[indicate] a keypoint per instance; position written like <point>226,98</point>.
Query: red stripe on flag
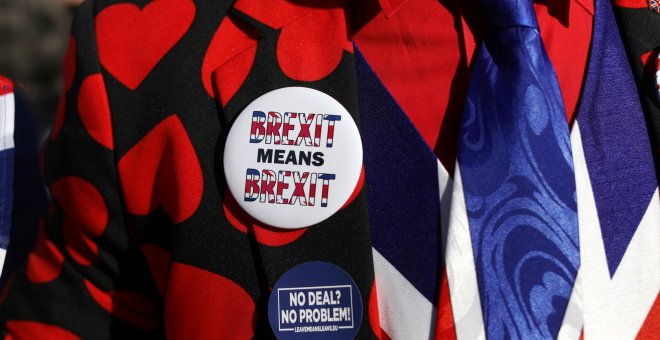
<point>374,316</point>
<point>445,328</point>
<point>651,328</point>
<point>6,86</point>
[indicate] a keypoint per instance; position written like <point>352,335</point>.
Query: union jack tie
<point>515,161</point>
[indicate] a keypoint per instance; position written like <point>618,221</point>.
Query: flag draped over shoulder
<point>6,162</point>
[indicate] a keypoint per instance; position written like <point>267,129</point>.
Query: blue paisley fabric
<point>517,171</point>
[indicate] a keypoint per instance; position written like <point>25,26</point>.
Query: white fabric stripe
<point>571,326</point>
<point>404,312</point>
<point>3,254</point>
<point>573,322</point>
<point>615,308</point>
<point>445,190</point>
<point>6,121</point>
<point>459,261</point>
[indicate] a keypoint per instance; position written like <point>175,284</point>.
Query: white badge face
<point>293,157</point>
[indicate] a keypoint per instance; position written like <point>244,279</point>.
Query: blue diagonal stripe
<point>401,175</point>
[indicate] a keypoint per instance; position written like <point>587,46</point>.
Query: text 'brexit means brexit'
<point>303,132</point>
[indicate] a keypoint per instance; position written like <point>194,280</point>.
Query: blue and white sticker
<point>315,300</point>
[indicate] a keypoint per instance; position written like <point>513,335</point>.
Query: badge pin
<point>293,157</point>
<point>654,5</point>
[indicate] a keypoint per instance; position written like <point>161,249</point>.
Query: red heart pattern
<point>233,48</point>
<point>158,260</point>
<point>205,305</point>
<point>45,261</point>
<point>313,37</point>
<point>244,223</point>
<point>94,110</point>
<point>133,308</point>
<point>131,41</point>
<point>19,329</point>
<point>277,13</point>
<point>307,50</point>
<point>162,169</point>
<point>85,217</point>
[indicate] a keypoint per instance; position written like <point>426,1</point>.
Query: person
<point>144,238</point>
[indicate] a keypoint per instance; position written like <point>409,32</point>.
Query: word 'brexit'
<point>274,187</point>
<point>293,128</point>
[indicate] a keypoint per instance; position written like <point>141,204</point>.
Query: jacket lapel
<point>282,44</point>
<point>303,44</point>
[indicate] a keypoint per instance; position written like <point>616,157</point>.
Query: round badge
<point>315,300</point>
<point>293,157</point>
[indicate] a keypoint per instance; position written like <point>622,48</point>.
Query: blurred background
<point>33,37</point>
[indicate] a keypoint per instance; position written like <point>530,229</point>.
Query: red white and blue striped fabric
<point>617,194</point>
<point>401,178</point>
<point>654,5</point>
<point>6,163</point>
<point>417,207</point>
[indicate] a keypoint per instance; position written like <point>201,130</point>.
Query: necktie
<point>516,166</point>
